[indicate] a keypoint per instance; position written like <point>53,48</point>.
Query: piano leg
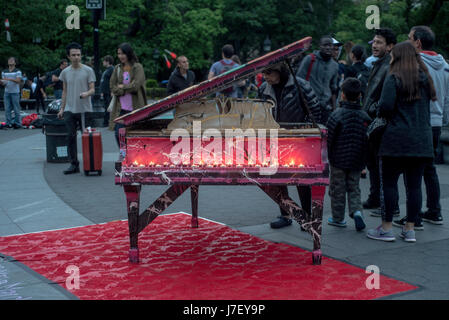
<point>318,193</point>
<point>132,205</point>
<point>305,196</point>
<point>310,222</point>
<point>194,190</point>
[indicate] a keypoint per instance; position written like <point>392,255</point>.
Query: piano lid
<point>217,83</point>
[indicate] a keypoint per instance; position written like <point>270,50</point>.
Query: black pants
<point>391,169</point>
<point>40,103</point>
<point>72,123</point>
<point>305,196</point>
<point>431,177</point>
<point>107,100</point>
<point>373,169</point>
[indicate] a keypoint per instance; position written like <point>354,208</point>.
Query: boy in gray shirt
<point>78,85</point>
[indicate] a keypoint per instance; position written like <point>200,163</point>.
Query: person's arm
<point>446,102</point>
<point>210,76</point>
<point>387,102</point>
<point>18,79</point>
<point>43,93</point>
<point>90,92</point>
<point>334,90</point>
<point>333,128</point>
<point>137,81</point>
<point>212,72</point>
<point>170,86</point>
<point>63,100</point>
<point>114,82</point>
<point>304,67</point>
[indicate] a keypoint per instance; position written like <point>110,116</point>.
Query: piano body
<point>221,141</point>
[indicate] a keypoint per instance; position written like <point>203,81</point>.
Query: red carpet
<point>213,262</point>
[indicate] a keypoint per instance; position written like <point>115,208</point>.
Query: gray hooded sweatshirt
<point>323,77</point>
<point>439,71</point>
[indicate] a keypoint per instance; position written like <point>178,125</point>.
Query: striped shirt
<point>11,86</point>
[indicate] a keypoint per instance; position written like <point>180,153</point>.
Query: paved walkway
<point>36,196</point>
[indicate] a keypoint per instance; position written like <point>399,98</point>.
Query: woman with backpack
<point>406,144</point>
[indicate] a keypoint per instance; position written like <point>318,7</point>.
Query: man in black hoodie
<point>280,87</point>
<point>181,78</point>
<point>383,43</point>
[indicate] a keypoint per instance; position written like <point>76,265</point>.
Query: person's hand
<point>120,86</point>
<point>61,114</point>
<point>84,95</point>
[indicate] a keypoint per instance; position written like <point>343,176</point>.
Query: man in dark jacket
<point>108,63</point>
<point>280,87</point>
<point>347,144</point>
<point>181,78</point>
<point>383,42</point>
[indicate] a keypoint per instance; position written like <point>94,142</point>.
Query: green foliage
<point>399,15</point>
<point>152,83</point>
<point>156,93</point>
<point>199,28</point>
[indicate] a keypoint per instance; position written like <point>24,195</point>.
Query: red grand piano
<point>222,141</point>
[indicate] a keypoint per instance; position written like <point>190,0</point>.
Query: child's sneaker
<point>358,221</point>
<point>332,222</point>
<point>381,234</point>
<point>408,236</point>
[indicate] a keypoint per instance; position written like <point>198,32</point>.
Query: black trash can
<point>56,138</point>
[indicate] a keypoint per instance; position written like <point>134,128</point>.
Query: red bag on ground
<point>26,121</point>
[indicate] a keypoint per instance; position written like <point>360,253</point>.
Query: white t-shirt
<point>77,81</point>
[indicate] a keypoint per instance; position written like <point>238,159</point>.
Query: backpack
<point>225,68</point>
<point>312,61</point>
<point>26,121</point>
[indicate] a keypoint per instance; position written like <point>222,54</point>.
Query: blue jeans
<point>12,102</point>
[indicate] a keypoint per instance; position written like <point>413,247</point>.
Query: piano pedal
<point>316,257</point>
<point>134,255</point>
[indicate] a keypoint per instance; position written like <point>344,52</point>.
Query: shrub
<point>49,91</point>
<point>152,83</point>
<point>153,93</point>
